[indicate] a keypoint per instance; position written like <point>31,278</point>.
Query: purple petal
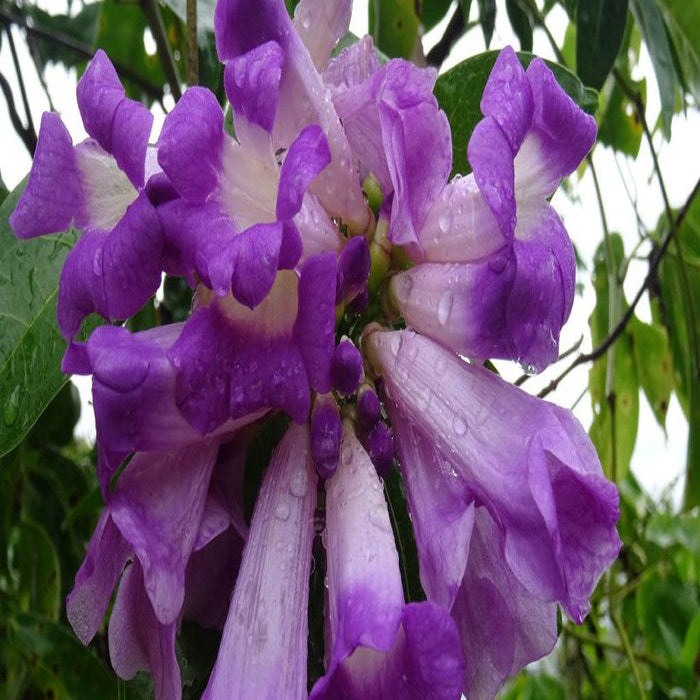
<point>543,292</point>
<point>346,367</point>
<point>502,625</point>
<point>353,269</point>
<point>321,24</point>
<point>242,25</point>
<point>326,433</point>
<point>257,252</point>
<point>460,226</point>
<point>352,66</point>
<point>519,454</point>
<point>318,233</point>
<point>305,159</point>
<point>137,640</point>
<point>158,505</point>
<point>491,158</point>
<point>292,247</point>
<point>560,136</point>
<point>53,196</point>
<point>120,125</point>
<point>191,142</point>
<point>252,83</point>
<point>379,444</point>
<point>441,511</point>
<point>113,273</point>
<point>368,407</point>
<point>106,556</point>
<point>314,328</point>
<point>508,98</point>
<point>263,648</point>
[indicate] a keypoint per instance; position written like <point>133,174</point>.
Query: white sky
<point>657,461</point>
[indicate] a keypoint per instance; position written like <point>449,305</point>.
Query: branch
<point>21,130</point>
<point>453,32</point>
<point>155,92</point>
<point>155,23</point>
<point>22,90</point>
<point>655,260</point>
<point>192,49</point>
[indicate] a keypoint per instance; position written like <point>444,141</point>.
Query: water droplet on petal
<point>282,511</point>
<point>347,455</point>
<point>444,307</point>
<point>380,518</point>
<point>445,220</point>
<point>12,408</point>
<point>299,483</point>
<point>403,287</point>
<point>97,262</point>
<point>459,426</point>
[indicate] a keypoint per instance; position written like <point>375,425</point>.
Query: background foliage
<point>642,637</point>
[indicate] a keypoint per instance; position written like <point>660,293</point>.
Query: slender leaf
<point>459,91</point>
<point>521,22</point>
<point>683,22</point>
<point>651,25</point>
<point>487,19</point>
<point>600,27</point>
<point>432,11</point>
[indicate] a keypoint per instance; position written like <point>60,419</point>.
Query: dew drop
<point>347,455</point>
<point>379,518</point>
<point>403,287</point>
<point>97,262</point>
<point>445,220</point>
<point>459,426</point>
<point>528,368</point>
<point>444,307</point>
<point>282,511</point>
<point>299,483</point>
<point>12,408</point>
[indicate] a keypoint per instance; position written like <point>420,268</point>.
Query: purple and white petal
<point>158,505</point>
<point>242,25</point>
<point>318,233</point>
<point>321,24</point>
<point>53,197</point>
<point>326,434</point>
<point>559,138</point>
<point>523,459</point>
<point>352,66</point>
<point>263,648</point>
<point>120,125</point>
<point>138,641</point>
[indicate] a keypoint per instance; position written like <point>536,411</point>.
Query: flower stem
<point>192,50</point>
<point>155,23</point>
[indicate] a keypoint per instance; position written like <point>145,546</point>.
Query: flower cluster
<point>268,222</point>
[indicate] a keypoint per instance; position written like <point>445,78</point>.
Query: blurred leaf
<point>619,126</point>
<point>459,91</point>
<point>683,22</point>
<point>57,664</point>
<point>487,19</point>
<point>600,26</point>
<point>31,345</point>
<point>652,355</point>
<point>669,530</point>
<point>56,423</point>
<point>623,433</point>
<point>691,643</point>
<point>651,25</point>
<point>568,48</point>
<point>535,687</point>
<point>35,570</point>
<point>432,11</point>
<point>521,22</point>
<point>394,26</point>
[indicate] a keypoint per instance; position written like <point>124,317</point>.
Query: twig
<point>192,48</point>
<point>540,22</point>
<point>16,120</point>
<point>155,92</point>
<point>656,258</point>
<point>36,58</point>
<point>629,652</point>
<point>155,23</point>
<point>454,30</point>
<point>22,89</point>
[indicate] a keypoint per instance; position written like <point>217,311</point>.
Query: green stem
<point>155,23</point>
<point>531,6</point>
<point>629,652</point>
<point>192,50</point>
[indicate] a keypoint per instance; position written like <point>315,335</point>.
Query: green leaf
<point>521,21</point>
<point>600,27</point>
<point>651,25</point>
<point>619,126</point>
<point>31,346</point>
<point>683,22</point>
<point>652,355</point>
<point>622,432</point>
<point>394,26</point>
<point>432,11</point>
<point>487,19</point>
<point>57,664</point>
<point>35,570</point>
<point>459,91</point>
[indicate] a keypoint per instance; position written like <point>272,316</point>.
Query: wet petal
<point>321,24</point>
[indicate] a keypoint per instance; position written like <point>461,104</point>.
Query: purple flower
<point>98,188</point>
